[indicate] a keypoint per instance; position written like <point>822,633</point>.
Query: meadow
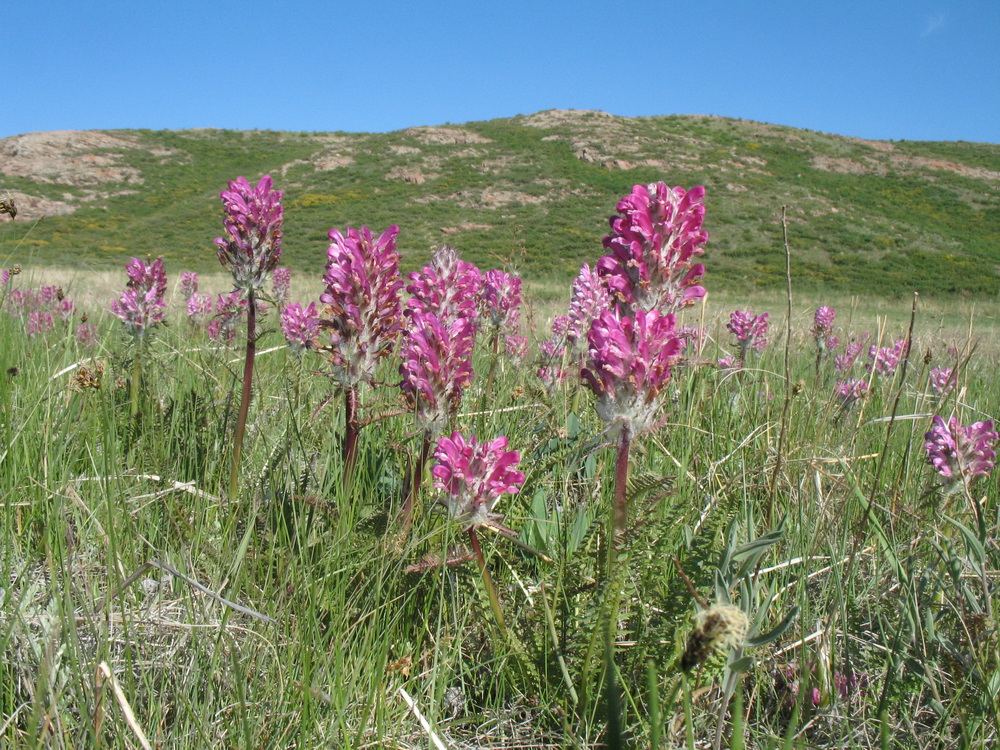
<point>777,565</point>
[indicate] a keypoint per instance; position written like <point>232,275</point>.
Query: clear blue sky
<point>902,69</point>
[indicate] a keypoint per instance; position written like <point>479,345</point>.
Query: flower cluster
<point>436,367</point>
<point>651,247</point>
<point>281,285</point>
<point>629,366</point>
<point>750,331</point>
<point>38,309</point>
<point>850,390</point>
<point>199,307</point>
<point>141,305</point>
<point>189,284</point>
<point>886,359</point>
<point>823,322</point>
<point>252,246</point>
<point>229,311</point>
<point>474,476</point>
<point>942,380</point>
<point>590,297</point>
<point>362,305</point>
<point>960,453</point>
<point>300,326</point>
<point>845,362</point>
<point>448,287</point>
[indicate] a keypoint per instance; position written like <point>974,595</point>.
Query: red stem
<point>241,420</point>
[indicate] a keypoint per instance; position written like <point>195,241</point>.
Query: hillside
<point>533,191</point>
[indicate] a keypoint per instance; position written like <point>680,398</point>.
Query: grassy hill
<point>530,191</point>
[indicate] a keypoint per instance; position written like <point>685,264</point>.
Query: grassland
<point>125,558</point>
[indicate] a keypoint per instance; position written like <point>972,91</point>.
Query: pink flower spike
<point>189,284</point>
<point>501,298</point>
<point>961,453</point>
<point>750,331</point>
<point>252,245</point>
<point>281,285</point>
<point>823,322</point>
<point>436,368</point>
<point>591,297</point>
<point>629,366</point>
<point>448,287</point>
<point>652,245</point>
<point>850,390</point>
<point>141,307</point>
<point>942,381</point>
<point>300,326</point>
<point>474,476</point>
<point>363,310</point>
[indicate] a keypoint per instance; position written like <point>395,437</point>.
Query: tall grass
<point>300,617</point>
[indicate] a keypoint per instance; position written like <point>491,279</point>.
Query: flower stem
<point>351,430</point>
<point>136,377</point>
<point>487,580</point>
<point>415,480</point>
<point>619,520</point>
<point>241,420</point>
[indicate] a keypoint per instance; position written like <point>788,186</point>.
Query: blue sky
<point>905,69</point>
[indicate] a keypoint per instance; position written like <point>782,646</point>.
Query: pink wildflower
<point>942,381</point>
<point>448,287</point>
<point>86,334</point>
<point>629,366</point>
<point>40,322</point>
<point>141,307</point>
<point>845,362</point>
<point>437,367</point>
<point>474,476</point>
<point>252,247</point>
<point>750,331</point>
<point>850,390</point>
<point>281,285</point>
<point>590,298</point>
<point>652,245</point>
<point>961,453</point>
<point>189,284</point>
<point>300,326</point>
<point>823,322</point>
<point>229,310</point>
<point>363,309</point>
<point>501,297</point>
<point>199,307</point>
<point>886,359</point>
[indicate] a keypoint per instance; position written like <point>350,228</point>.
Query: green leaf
<point>776,632</point>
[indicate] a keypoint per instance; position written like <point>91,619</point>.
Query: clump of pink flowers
<point>823,322</point>
<point>844,363</point>
<point>750,331</point>
<point>961,453</point>
<point>850,390</point>
<point>230,309</point>
<point>448,288</point>
<point>281,285</point>
<point>253,223</point>
<point>141,306</point>
<point>300,325</point>
<point>501,306</point>
<point>362,310</point>
<point>437,367</point>
<point>189,284</point>
<point>474,476</point>
<point>942,380</point>
<point>628,367</point>
<point>886,359</point>
<point>653,241</point>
